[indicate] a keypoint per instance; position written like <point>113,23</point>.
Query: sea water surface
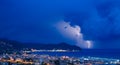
<point>103,53</point>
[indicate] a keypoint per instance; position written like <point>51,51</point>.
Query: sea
<point>102,53</point>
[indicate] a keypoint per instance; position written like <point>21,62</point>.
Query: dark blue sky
<point>86,23</point>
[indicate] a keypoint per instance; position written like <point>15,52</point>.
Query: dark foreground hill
<point>10,45</point>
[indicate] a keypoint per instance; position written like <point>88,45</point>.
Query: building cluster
<point>36,59</point>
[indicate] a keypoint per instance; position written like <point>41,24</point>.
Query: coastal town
<point>9,55</point>
<point>37,59</point>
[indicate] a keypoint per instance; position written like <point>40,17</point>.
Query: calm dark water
<point>93,53</point>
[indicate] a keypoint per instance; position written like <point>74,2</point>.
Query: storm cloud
<point>32,21</point>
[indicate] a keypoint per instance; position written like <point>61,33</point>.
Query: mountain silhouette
<point>11,45</point>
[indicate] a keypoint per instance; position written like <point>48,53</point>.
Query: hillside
<point>11,45</point>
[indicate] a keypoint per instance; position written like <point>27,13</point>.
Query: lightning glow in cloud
<point>73,33</point>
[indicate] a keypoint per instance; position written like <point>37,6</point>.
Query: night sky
<point>85,23</point>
